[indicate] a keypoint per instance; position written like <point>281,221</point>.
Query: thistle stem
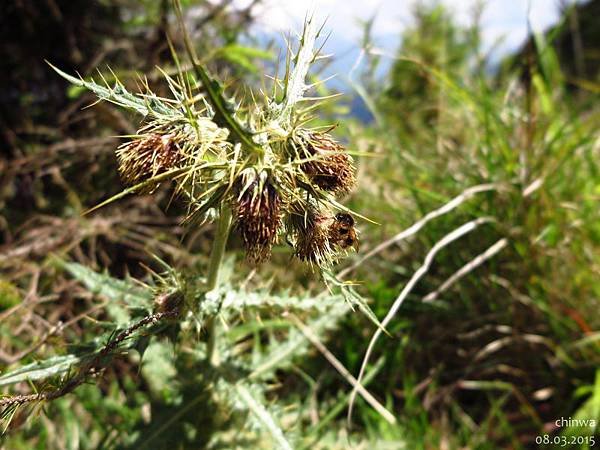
<point>216,260</point>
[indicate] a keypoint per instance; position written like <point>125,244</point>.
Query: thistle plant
<point>255,167</point>
<point>278,177</point>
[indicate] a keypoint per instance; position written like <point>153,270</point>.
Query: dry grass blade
<point>417,226</point>
<point>499,344</point>
<point>446,240</point>
<point>313,338</point>
<point>469,267</point>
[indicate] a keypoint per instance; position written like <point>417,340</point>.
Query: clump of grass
<point>495,193</point>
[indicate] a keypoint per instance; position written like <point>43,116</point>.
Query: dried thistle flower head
<point>168,302</point>
<point>147,156</point>
<point>257,213</point>
<point>321,238</point>
<point>327,164</point>
<point>310,236</point>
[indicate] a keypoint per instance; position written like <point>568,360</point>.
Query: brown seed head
<point>329,166</point>
<point>258,214</point>
<point>146,157</point>
<point>168,302</point>
<point>321,238</point>
<point>312,241</point>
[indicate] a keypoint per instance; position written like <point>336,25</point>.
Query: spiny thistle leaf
<point>262,415</point>
<point>79,367</point>
<point>295,80</point>
<point>120,96</point>
<point>234,300</point>
<point>133,295</point>
<point>40,369</point>
<point>296,344</point>
<point>121,295</point>
<point>351,296</point>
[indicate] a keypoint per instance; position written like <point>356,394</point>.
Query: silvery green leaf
<point>296,343</point>
<point>121,294</point>
<point>40,369</point>
<point>261,415</point>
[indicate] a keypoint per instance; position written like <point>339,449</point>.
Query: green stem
<point>216,259</point>
<point>224,115</point>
